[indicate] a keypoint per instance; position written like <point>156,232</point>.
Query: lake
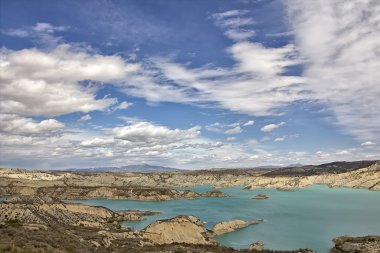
<point>306,218</point>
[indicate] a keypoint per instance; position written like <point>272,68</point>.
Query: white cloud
<point>271,127</point>
<point>278,139</point>
<point>236,24</point>
<point>96,142</point>
<point>149,133</point>
<point>342,152</point>
<point>265,62</point>
<point>235,130</point>
<point>42,34</point>
<point>231,138</point>
<point>48,28</point>
<point>85,117</point>
<point>256,85</point>
<point>254,157</point>
<point>240,34</point>
<point>50,81</point>
<point>252,142</point>
<point>13,124</point>
<point>228,14</point>
<point>368,143</point>
<point>249,123</point>
<point>215,127</point>
<point>340,40</point>
<point>123,105</point>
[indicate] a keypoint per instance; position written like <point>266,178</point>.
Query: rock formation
<point>181,229</point>
<point>230,226</point>
<point>214,194</point>
<point>45,210</point>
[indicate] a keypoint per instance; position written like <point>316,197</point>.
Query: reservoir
<point>305,218</point>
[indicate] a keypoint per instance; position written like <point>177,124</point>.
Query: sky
<point>188,84</point>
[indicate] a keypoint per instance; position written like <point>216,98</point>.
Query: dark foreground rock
<point>365,244</point>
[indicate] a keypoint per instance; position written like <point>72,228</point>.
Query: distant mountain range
<point>128,168</point>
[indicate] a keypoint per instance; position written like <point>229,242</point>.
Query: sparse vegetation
<point>14,222</point>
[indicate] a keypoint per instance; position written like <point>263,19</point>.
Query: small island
<point>261,196</point>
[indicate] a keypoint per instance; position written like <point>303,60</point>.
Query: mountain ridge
<point>126,168</point>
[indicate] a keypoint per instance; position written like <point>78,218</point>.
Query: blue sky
<point>188,84</point>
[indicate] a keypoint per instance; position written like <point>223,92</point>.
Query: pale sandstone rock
<point>230,226</point>
<point>181,229</point>
<point>214,193</point>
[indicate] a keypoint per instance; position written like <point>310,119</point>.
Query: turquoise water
<point>309,217</point>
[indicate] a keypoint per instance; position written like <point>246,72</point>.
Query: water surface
<point>309,217</point>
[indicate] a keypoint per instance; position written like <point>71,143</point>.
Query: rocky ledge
<point>230,226</point>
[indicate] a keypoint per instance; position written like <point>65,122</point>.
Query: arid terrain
<point>34,217</point>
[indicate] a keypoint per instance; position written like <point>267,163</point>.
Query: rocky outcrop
<point>261,196</point>
<point>181,229</point>
<point>365,244</point>
<point>44,210</point>
<point>362,178</point>
<point>214,194</point>
<point>257,246</point>
<point>230,226</point>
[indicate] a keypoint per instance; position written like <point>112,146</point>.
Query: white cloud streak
<point>341,42</point>
<point>271,127</point>
<point>86,117</point>
<point>249,123</point>
<point>235,130</point>
<point>236,24</point>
